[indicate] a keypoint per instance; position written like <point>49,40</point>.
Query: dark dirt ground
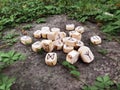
<point>34,74</point>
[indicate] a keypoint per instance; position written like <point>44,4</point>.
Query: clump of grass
<point>6,82</point>
<point>41,20</point>
<point>10,38</point>
<point>8,58</point>
<point>103,51</point>
<point>118,86</point>
<point>72,69</point>
<point>27,27</point>
<point>41,51</point>
<point>102,83</point>
<point>75,73</point>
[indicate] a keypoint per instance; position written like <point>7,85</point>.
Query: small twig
<point>83,82</point>
<point>2,46</point>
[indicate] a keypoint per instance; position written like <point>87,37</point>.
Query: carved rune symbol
<point>37,43</point>
<point>59,42</point>
<point>51,56</point>
<point>46,45</point>
<point>88,54</point>
<point>71,39</point>
<point>70,56</point>
<point>58,37</point>
<point>79,43</point>
<point>95,37</point>
<point>79,27</point>
<point>72,31</point>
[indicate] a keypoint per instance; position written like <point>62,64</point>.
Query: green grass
<point>68,65</point>
<point>75,73</point>
<point>6,59</point>
<point>6,82</point>
<point>41,20</point>
<point>9,39</point>
<point>27,27</point>
<point>13,12</point>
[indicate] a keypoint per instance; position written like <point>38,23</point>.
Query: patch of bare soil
<point>34,74</point>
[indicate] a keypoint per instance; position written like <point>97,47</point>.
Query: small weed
<point>73,70</point>
<point>41,51</point>
<point>65,63</point>
<point>101,83</point>
<point>10,38</point>
<point>109,38</point>
<point>0,35</point>
<point>68,65</point>
<point>27,27</point>
<point>90,88</point>
<point>10,57</point>
<point>41,20</point>
<point>103,51</point>
<point>75,73</point>
<point>6,59</point>
<point>112,38</point>
<point>118,86</point>
<point>6,82</point>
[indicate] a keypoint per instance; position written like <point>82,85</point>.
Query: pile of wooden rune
<point>54,39</point>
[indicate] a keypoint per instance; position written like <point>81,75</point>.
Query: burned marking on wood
<point>73,31</point>
<point>79,27</point>
<point>59,42</point>
<point>37,43</point>
<point>88,54</point>
<point>59,37</point>
<point>79,43</point>
<point>71,39</point>
<point>25,37</point>
<point>51,56</point>
<point>70,56</point>
<point>46,47</point>
<point>96,37</point>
